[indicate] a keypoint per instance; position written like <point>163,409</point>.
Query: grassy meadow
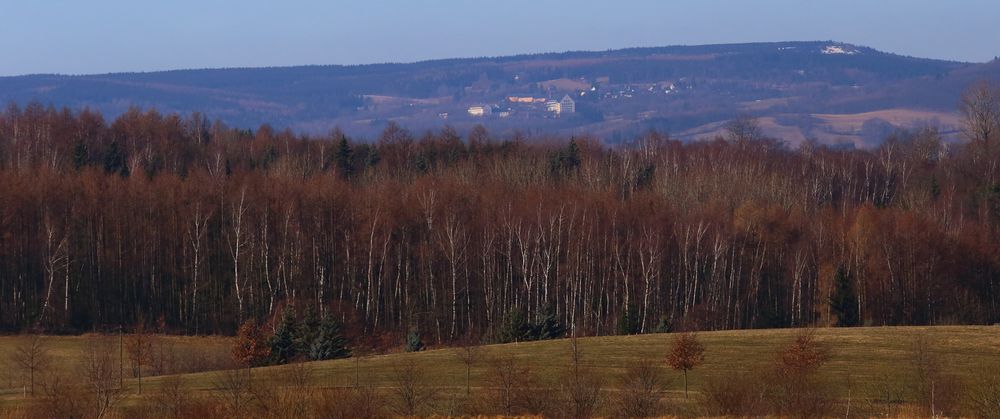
<point>861,360</point>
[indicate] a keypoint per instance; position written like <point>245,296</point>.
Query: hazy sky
<point>97,36</point>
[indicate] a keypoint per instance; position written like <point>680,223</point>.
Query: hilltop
<point>684,90</point>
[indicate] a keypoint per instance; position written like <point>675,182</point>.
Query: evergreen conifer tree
<point>413,341</point>
<point>548,326</point>
<point>629,322</point>
<point>844,302</point>
<point>515,328</point>
<point>345,158</point>
<point>283,345</point>
<point>80,155</point>
<point>114,160</point>
<point>663,326</point>
<point>308,330</point>
<point>330,342</point>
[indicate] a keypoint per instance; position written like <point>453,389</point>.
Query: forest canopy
<point>197,227</point>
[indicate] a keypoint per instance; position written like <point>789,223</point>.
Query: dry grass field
<point>862,362</point>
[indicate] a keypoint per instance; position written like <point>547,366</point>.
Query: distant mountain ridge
<point>683,90</point>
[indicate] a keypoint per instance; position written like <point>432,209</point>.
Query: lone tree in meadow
<point>251,347</point>
<point>469,353</point>
<point>139,346</point>
<point>686,354</point>
<point>31,356</point>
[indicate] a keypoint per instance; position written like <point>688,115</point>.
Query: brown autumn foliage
<point>686,354</point>
<point>449,236</point>
<point>797,389</point>
<point>251,348</point>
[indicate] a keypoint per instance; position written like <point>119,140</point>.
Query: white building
<point>553,106</point>
<point>567,105</point>
<point>480,110</point>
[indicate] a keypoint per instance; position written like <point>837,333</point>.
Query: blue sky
<point>97,36</point>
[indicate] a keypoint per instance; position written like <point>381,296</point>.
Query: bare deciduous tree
<point>983,395</point>
<point>412,393</point>
<point>173,398</point>
<point>139,347</point>
<point>511,388</point>
<point>936,390</point>
<point>743,128</point>
<point>232,389</point>
<point>31,357</point>
<point>470,353</point>
<point>63,398</point>
<point>100,372</point>
<point>980,108</point>
<point>580,387</point>
<point>641,389</point>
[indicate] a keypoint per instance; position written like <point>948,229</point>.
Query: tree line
<point>198,227</point>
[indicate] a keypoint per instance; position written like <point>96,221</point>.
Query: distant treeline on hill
<point>198,228</point>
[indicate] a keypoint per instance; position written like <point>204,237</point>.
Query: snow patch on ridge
<point>839,49</point>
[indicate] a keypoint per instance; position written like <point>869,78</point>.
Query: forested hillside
<point>619,93</point>
<point>193,227</point>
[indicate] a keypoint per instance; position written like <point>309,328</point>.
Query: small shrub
<point>936,391</point>
<point>737,394</point>
<point>173,398</point>
<point>641,390</point>
<point>580,387</point>
<point>413,395</point>
<point>513,389</point>
<point>983,395</point>
<point>883,397</point>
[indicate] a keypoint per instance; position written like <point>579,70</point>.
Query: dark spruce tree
<point>549,327</point>
<point>565,161</point>
<point>330,342</point>
<point>844,302</point>
<point>80,155</point>
<point>413,341</point>
<point>663,326</point>
<point>114,160</point>
<point>308,330</point>
<point>514,328</point>
<point>629,323</point>
<point>284,348</point>
<point>345,158</point>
